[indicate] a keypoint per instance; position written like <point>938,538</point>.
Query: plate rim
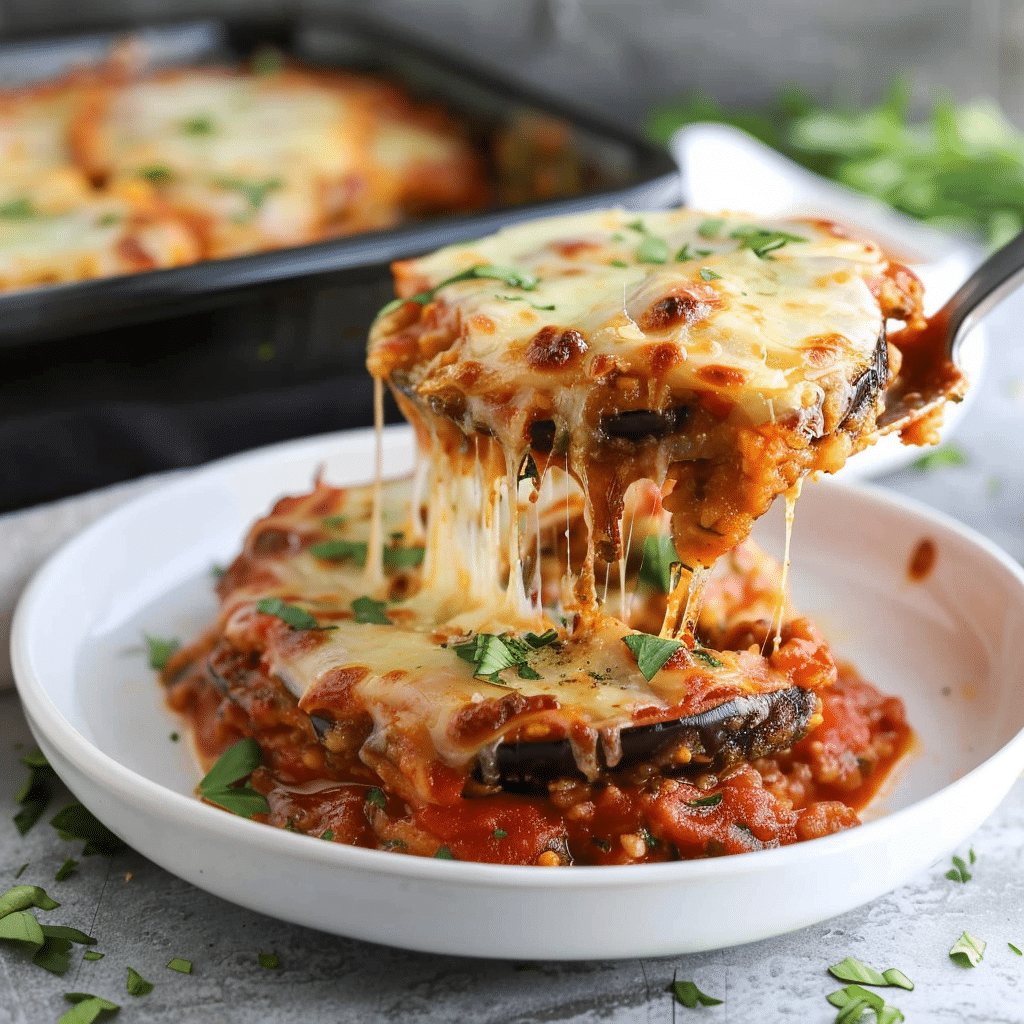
<point>133,787</point>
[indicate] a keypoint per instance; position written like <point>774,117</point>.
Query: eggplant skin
<point>738,731</point>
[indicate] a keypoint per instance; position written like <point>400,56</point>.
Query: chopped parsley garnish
<point>659,555</point>
<point>21,870</point>
<point>958,872</point>
<point>219,785</point>
<point>687,994</point>
<point>618,263</point>
<point>762,242</point>
<point>77,822</point>
<point>443,853</point>
<point>87,1009</point>
<point>652,250</point>
<point>268,961</point>
<point>707,274</point>
<point>17,209</point>
<point>970,855</point>
<point>36,793</point>
<point>292,615</point>
<point>490,654</point>
<point>328,835</point>
<point>92,955</point>
<point>602,844</point>
<point>711,228</point>
<point>174,737</point>
<point>156,175</point>
<point>375,795</point>
<point>651,652</point>
<point>706,656</point>
<point>66,870</point>
<point>403,558</point>
<point>137,984</point>
<point>179,964</point>
<point>337,550</point>
<point>160,651</point>
<point>967,951</point>
<point>200,124</point>
<point>366,609</point>
<point>508,275</point>
<point>684,254</point>
<point>499,833</point>
<point>711,800</point>
<point>1015,949</point>
<point>947,455</point>
<point>254,193</point>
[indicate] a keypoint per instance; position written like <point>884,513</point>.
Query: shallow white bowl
<point>949,645</point>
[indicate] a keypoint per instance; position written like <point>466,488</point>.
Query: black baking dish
<point>625,170</point>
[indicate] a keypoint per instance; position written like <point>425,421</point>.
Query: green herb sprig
<point>509,276</point>
<point>220,784</point>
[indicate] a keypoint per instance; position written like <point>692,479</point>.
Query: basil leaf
<point>291,614</point>
<point>707,274</point>
<point>549,636</point>
<point>54,955</point>
<point>403,558</point>
<point>137,984</point>
<point>659,554</point>
<point>21,897</point>
<point>853,970</point>
<point>23,927</point>
<point>337,550</point>
<point>652,250</point>
<point>687,993</point>
<point>241,800</point>
<point>651,652</point>
<point>88,1008</point>
<point>236,763</point>
<point>78,822</point>
<point>711,228</point>
<point>763,241</point>
<point>268,961</point>
<point>66,870</point>
<point>711,800</point>
<point>57,931</point>
<point>160,651</point>
<point>443,853</point>
<point>947,455</point>
<point>365,609</point>
<point>182,966</point>
<point>967,951</point>
<point>709,659</point>
<point>91,954</point>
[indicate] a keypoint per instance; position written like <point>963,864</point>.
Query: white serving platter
<point>948,645</point>
<point>724,168</point>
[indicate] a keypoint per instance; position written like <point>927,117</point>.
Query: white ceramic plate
<point>950,646</point>
<point>724,168</point>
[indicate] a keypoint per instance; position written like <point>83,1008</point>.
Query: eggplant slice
<point>740,730</point>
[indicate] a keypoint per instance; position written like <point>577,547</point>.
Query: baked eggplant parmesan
<point>555,643</point>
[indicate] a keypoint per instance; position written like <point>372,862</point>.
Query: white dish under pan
<point>948,645</point>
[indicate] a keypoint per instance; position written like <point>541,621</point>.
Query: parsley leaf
<point>375,795</point>
<point>508,275</point>
<point>707,274</point>
<point>36,793</point>
<point>762,242</point>
<point>66,870</point>
<point>365,609</point>
<point>88,1008</point>
<point>711,228</point>
<point>652,250</point>
<point>967,951</point>
<point>711,800</point>
<point>659,555</point>
<point>293,615</point>
<point>54,955</point>
<point>182,966</point>
<point>137,984</point>
<point>91,954</point>
<point>687,993</point>
<point>443,853</point>
<point>236,763</point>
<point>651,652</point>
<point>160,651</point>
<point>328,835</point>
<point>77,822</point>
<point>21,870</point>
<point>959,872</point>
<point>684,254</point>
<point>337,550</point>
<point>947,455</point>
